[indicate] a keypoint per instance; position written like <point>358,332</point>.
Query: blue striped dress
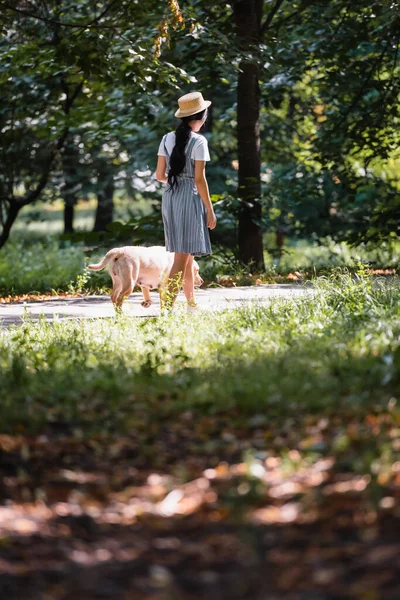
<point>183,212</point>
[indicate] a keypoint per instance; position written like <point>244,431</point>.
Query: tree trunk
<point>69,217</point>
<point>105,204</point>
<point>248,14</point>
<point>70,162</point>
<point>9,222</point>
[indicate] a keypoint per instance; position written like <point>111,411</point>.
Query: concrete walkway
<point>210,299</point>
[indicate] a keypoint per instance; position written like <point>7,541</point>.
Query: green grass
<point>281,419</point>
<point>338,350</point>
<point>40,266</point>
<point>303,254</point>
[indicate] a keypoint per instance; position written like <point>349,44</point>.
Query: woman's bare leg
<point>170,291</point>
<point>188,282</point>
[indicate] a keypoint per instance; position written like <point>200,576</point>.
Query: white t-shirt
<point>199,150</point>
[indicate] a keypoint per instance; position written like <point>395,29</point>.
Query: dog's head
<point>198,281</point>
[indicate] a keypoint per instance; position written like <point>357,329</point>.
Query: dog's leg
<point>117,288</point>
<point>146,302</point>
<point>128,272</point>
<point>125,292</point>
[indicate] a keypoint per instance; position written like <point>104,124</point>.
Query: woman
<point>187,211</point>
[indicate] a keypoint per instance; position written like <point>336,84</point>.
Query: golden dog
<point>137,265</point>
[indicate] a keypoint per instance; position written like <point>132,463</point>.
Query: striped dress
<point>183,212</point>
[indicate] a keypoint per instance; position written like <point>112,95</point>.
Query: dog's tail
<point>111,255</point>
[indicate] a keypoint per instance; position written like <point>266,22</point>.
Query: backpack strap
<point>165,145</point>
<point>190,145</point>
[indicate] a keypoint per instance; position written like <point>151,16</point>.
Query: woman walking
<point>187,211</point>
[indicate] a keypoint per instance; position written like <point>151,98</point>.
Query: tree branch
<point>34,194</point>
<point>265,26</point>
<point>91,25</point>
<point>294,14</point>
<point>367,79</point>
<point>72,98</point>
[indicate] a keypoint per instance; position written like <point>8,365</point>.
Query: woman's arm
<point>202,187</point>
<point>161,174</point>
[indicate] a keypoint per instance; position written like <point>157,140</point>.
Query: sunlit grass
<point>41,266</point>
<point>337,350</point>
<point>303,254</point>
<point>45,218</point>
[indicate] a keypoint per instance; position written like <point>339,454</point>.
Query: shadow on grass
<point>193,557</point>
<point>64,383</point>
<point>265,476</point>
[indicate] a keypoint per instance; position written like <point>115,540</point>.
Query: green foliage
<point>76,85</point>
<point>139,230</point>
<point>301,255</point>
<point>42,266</point>
<point>331,122</point>
<point>329,91</point>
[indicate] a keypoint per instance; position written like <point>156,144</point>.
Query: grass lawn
<point>244,455</point>
<point>45,218</point>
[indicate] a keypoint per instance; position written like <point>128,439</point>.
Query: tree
<point>248,16</point>
<point>316,88</point>
<point>72,183</point>
<point>105,192</point>
<point>332,113</point>
<point>66,48</point>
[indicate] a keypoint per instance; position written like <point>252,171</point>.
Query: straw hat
<point>190,104</point>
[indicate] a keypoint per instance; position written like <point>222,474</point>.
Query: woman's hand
<point>211,218</point>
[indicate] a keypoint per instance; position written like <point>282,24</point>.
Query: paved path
<point>100,306</point>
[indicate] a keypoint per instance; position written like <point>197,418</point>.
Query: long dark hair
<point>178,159</point>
